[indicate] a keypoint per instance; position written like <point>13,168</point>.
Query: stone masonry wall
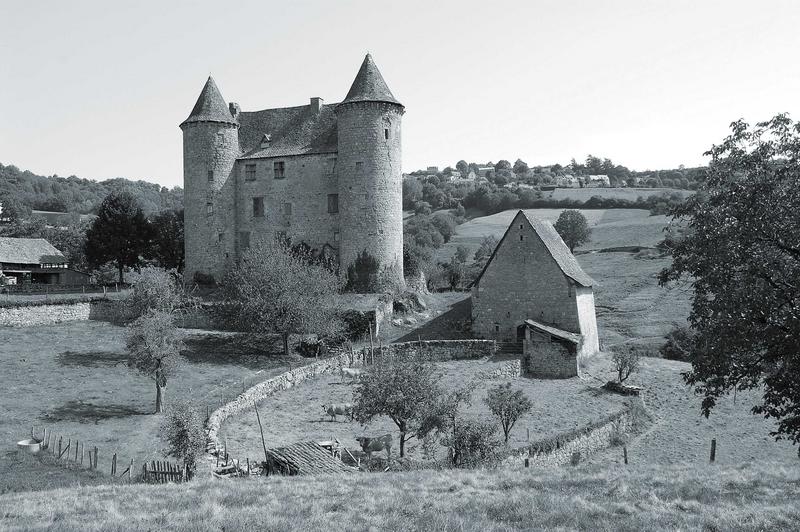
<point>370,184</point>
<point>44,314</point>
<point>307,182</point>
<point>549,360</point>
<point>523,281</point>
<point>558,451</point>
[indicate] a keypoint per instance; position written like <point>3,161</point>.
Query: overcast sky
<point>98,88</point>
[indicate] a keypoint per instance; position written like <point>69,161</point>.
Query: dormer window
<point>266,140</point>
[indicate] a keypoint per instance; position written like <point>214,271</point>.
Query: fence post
<point>144,472</point>
<point>371,345</point>
<point>83,447</point>
<point>114,465</point>
<point>713,449</point>
<point>130,471</point>
<point>527,462</point>
<point>95,457</point>
<point>59,446</point>
<point>625,454</point>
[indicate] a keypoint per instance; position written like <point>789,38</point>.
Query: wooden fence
<point>78,453</point>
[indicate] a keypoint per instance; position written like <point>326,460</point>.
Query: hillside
<point>73,194</point>
<point>621,498</point>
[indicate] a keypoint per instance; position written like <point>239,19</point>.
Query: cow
<point>339,409</point>
<point>371,445</point>
<point>353,373</point>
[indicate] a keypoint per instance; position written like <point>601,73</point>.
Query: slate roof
<point>210,106</point>
<point>29,251</point>
<point>369,85</point>
<point>308,458</point>
<point>575,338</point>
<point>293,131</point>
<point>558,250</point>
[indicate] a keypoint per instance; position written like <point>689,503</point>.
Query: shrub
<point>356,324</point>
<point>625,361</point>
<point>204,279</point>
<point>182,428</point>
<point>473,443</point>
<point>679,344</point>
<point>155,289</point>
<point>362,274</point>
<point>311,347</point>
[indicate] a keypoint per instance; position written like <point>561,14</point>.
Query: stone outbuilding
<point>533,291</point>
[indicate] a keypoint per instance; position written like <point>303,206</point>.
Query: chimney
<point>234,109</point>
<point>316,104</point>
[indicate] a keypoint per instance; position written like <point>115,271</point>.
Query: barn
<point>533,292</point>
<point>35,260</point>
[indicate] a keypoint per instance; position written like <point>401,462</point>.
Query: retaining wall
<point>24,316</point>
<point>558,450</point>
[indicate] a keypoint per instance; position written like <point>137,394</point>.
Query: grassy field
<point>680,435</point>
<point>583,194</point>
<point>610,228</point>
<point>297,415</point>
<point>632,498</point>
<point>72,378</point>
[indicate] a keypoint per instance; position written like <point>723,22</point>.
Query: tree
<point>455,273</point>
<point>486,248</point>
<point>120,233</point>
<point>502,164</point>
<point>168,246</point>
<point>573,228</point>
<point>741,254</point>
<point>462,167</point>
<point>155,289</point>
<point>520,167</point>
<point>71,241</point>
<point>274,290</point>
<point>154,345</point>
<point>182,428</point>
<point>626,362</point>
<point>405,390</point>
<point>508,405</point>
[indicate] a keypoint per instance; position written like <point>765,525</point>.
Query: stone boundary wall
<point>31,315</point>
<point>509,370</point>
<point>435,350</point>
<point>558,450</point>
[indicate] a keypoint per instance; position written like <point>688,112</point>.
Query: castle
<point>326,175</point>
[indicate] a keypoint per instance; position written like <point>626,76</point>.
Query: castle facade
<point>327,175</point>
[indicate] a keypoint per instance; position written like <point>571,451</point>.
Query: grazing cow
<point>353,373</point>
<point>339,409</point>
<point>371,445</point>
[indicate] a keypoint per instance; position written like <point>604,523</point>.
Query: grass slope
<point>616,499</point>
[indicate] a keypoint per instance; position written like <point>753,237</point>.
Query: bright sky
<point>98,88</point>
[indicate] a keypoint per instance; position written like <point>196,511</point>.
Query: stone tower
<point>370,175</point>
<point>210,150</point>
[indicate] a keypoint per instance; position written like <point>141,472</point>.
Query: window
<point>331,166</point>
<point>287,209</point>
<point>250,172</point>
<point>244,239</point>
<point>520,226</point>
<point>209,208</point>
<point>279,168</point>
<point>210,176</point>
<point>220,237</point>
<point>520,238</point>
<point>258,206</point>
<point>496,328</point>
<point>386,134</point>
<point>333,203</point>
<point>336,236</point>
<point>359,166</point>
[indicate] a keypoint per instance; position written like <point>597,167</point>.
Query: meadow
<point>73,379</point>
<point>618,499</point>
<point>626,193</point>
<point>297,415</point>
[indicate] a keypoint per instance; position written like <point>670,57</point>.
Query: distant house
<point>433,170</point>
<point>567,181</point>
<point>594,181</point>
<point>533,292</point>
<point>35,260</point>
<point>483,170</point>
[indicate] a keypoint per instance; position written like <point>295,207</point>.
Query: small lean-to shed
<point>549,351</point>
<point>304,458</point>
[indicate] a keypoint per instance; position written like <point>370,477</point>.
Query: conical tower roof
<point>210,106</point>
<point>369,85</point>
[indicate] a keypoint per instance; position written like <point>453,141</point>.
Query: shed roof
<point>308,458</point>
<point>29,251</point>
<point>575,338</point>
<point>292,131</point>
<point>552,240</point>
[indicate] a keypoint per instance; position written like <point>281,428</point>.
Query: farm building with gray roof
<point>533,291</point>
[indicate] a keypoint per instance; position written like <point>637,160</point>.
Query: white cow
<point>339,409</point>
<point>352,373</point>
